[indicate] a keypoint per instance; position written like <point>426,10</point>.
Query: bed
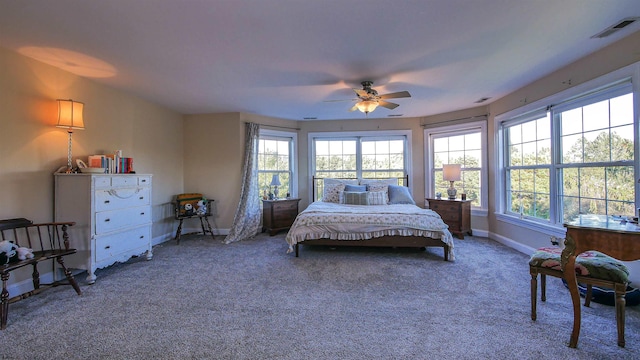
<point>345,215</point>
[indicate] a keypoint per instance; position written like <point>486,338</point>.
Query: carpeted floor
<point>250,300</point>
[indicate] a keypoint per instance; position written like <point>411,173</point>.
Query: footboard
<point>384,241</point>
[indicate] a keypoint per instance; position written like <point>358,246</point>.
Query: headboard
<point>317,184</point>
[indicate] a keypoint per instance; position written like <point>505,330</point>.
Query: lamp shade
<point>451,172</point>
<point>275,180</point>
<point>367,106</point>
<point>70,115</point>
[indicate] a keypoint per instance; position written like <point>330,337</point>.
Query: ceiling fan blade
<point>354,108</point>
<point>340,100</point>
<point>361,93</point>
<point>395,95</point>
<point>387,104</point>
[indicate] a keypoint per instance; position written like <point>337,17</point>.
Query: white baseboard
<point>512,244</point>
<point>480,233</point>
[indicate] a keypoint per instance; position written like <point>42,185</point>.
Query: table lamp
<point>451,173</point>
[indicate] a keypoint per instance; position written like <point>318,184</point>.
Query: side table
<point>455,213</point>
<point>278,214</point>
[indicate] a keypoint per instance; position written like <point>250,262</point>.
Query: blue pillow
<point>355,188</point>
<point>400,195</point>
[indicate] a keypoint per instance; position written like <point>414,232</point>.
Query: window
<point>575,157</point>
<point>359,155</point>
<point>463,144</point>
<point>275,157</point>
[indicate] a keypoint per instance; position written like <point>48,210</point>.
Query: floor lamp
<point>70,118</point>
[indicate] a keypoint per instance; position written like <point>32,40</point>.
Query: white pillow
<point>332,192</point>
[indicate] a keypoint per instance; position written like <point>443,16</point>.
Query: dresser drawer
<point>113,245</point>
<point>121,198</point>
<point>108,221</point>
<point>126,180</point>
<point>285,214</point>
<point>285,206</point>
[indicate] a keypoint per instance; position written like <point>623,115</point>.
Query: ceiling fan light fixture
<point>367,106</point>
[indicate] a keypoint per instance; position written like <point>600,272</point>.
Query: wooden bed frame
<point>383,241</point>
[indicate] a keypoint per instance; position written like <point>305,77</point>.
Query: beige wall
<point>31,148</point>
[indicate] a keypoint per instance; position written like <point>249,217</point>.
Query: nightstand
<point>278,214</point>
<point>455,213</point>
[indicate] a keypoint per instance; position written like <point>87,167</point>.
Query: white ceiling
<point>285,58</point>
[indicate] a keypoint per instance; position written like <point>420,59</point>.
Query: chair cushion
<point>590,263</point>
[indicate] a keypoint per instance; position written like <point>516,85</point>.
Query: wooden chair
<point>49,241</point>
<point>593,268</point>
<point>186,206</point>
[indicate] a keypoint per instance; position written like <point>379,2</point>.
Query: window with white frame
<point>575,157</point>
<point>463,144</point>
<point>276,151</point>
<point>359,155</point>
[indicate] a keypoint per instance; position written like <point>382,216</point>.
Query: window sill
<point>547,229</point>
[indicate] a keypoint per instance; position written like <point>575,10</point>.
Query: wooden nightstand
<point>278,214</point>
<point>455,213</point>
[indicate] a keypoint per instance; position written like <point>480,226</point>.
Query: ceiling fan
<point>370,100</point>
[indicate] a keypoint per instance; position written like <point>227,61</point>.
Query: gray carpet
<point>251,300</point>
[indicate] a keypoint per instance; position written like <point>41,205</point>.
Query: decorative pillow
<point>377,197</point>
<point>358,188</point>
<point>332,192</point>
<point>354,198</point>
<point>400,195</point>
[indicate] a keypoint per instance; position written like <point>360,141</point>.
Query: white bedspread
<point>325,220</point>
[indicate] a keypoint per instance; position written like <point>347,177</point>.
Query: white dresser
<point>112,214</point>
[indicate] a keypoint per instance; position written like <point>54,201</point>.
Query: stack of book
<point>112,163</point>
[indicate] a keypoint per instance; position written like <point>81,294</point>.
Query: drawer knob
<point>107,220</point>
<point>106,201</point>
<point>108,247</point>
<point>141,197</point>
<point>141,213</point>
<point>141,236</point>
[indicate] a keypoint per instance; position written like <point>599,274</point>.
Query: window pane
<point>571,121</point>
<point>570,182</point>
<point>622,143</point>
<point>597,147</point>
<point>515,158</point>
<point>622,110</point>
<point>440,144</point>
<point>596,116</point>
<point>572,149</point>
<point>515,134</point>
<point>529,131</point>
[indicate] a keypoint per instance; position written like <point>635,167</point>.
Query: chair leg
<point>620,308</point>
<point>69,276</point>
<point>206,220</point>
<point>35,276</point>
<point>534,295</point>
<point>588,296</point>
<point>4,296</point>
<point>178,232</point>
<point>543,287</point>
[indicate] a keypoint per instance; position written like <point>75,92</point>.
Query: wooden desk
<point>609,236</point>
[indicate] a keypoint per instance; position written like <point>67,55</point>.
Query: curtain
<point>246,221</point>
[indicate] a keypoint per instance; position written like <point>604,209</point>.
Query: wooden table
<point>620,240</point>
<point>455,213</point>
